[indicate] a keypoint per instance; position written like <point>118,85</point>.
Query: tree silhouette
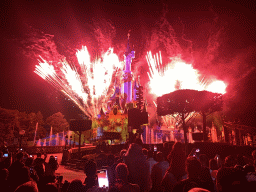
<point>186,101</point>
<point>8,123</point>
<point>57,122</point>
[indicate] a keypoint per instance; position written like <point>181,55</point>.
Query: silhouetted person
<point>91,177</point>
<point>50,168</point>
<point>2,160</point>
<point>3,179</point>
<point>231,179</point>
<point>205,174</point>
<point>166,149</point>
<point>230,161</point>
<point>104,146</point>
<point>75,186</point>
<point>240,160</point>
<point>193,169</point>
<point>17,164</point>
<point>14,171</point>
<point>204,160</point>
<point>122,153</point>
<point>158,172</point>
<point>151,161</point>
<point>111,165</point>
<point>145,152</point>
<point>5,159</point>
<point>176,171</point>
<point>29,186</point>
<point>213,166</point>
<point>254,155</point>
<point>122,179</point>
<point>22,176</point>
<point>39,165</point>
<point>49,187</point>
<point>29,163</point>
<point>138,166</point>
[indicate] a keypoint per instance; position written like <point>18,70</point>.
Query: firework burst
<point>89,85</point>
<point>178,75</point>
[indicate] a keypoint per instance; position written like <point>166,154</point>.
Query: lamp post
<point>66,140</point>
<point>74,140</point>
<point>21,133</point>
<point>70,141</point>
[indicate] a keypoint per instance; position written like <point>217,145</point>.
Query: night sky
<point>218,36</point>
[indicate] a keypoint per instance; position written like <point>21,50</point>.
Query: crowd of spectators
<point>135,169</point>
<point>21,172</point>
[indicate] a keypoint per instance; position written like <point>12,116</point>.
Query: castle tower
<point>127,78</point>
<point>135,89</point>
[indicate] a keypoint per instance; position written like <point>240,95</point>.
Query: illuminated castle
<point>127,77</point>
<point>126,92</point>
<point>123,99</point>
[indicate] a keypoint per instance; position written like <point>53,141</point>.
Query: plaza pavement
<point>68,174</point>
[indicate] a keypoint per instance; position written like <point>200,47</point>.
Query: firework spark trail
<point>178,71</point>
<point>47,72</point>
<point>89,85</point>
<point>98,75</point>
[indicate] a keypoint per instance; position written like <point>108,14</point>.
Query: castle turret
<point>135,89</point>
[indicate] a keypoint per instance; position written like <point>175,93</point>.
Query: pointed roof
<point>102,112</point>
<point>128,48</point>
<point>138,81</point>
<point>125,111</point>
<point>135,84</point>
<point>144,106</point>
<point>116,93</point>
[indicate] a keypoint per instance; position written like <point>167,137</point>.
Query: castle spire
<point>135,84</point>
<point>129,55</point>
<point>145,106</point>
<point>128,48</point>
<point>138,81</point>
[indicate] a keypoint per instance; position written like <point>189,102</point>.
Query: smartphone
<point>30,155</point>
<point>103,178</point>
<point>197,150</point>
<point>5,155</point>
<point>56,158</point>
<point>155,148</point>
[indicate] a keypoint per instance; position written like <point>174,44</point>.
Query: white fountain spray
<point>38,143</point>
<point>50,140</point>
<point>35,133</point>
<point>57,139</point>
<point>63,141</point>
